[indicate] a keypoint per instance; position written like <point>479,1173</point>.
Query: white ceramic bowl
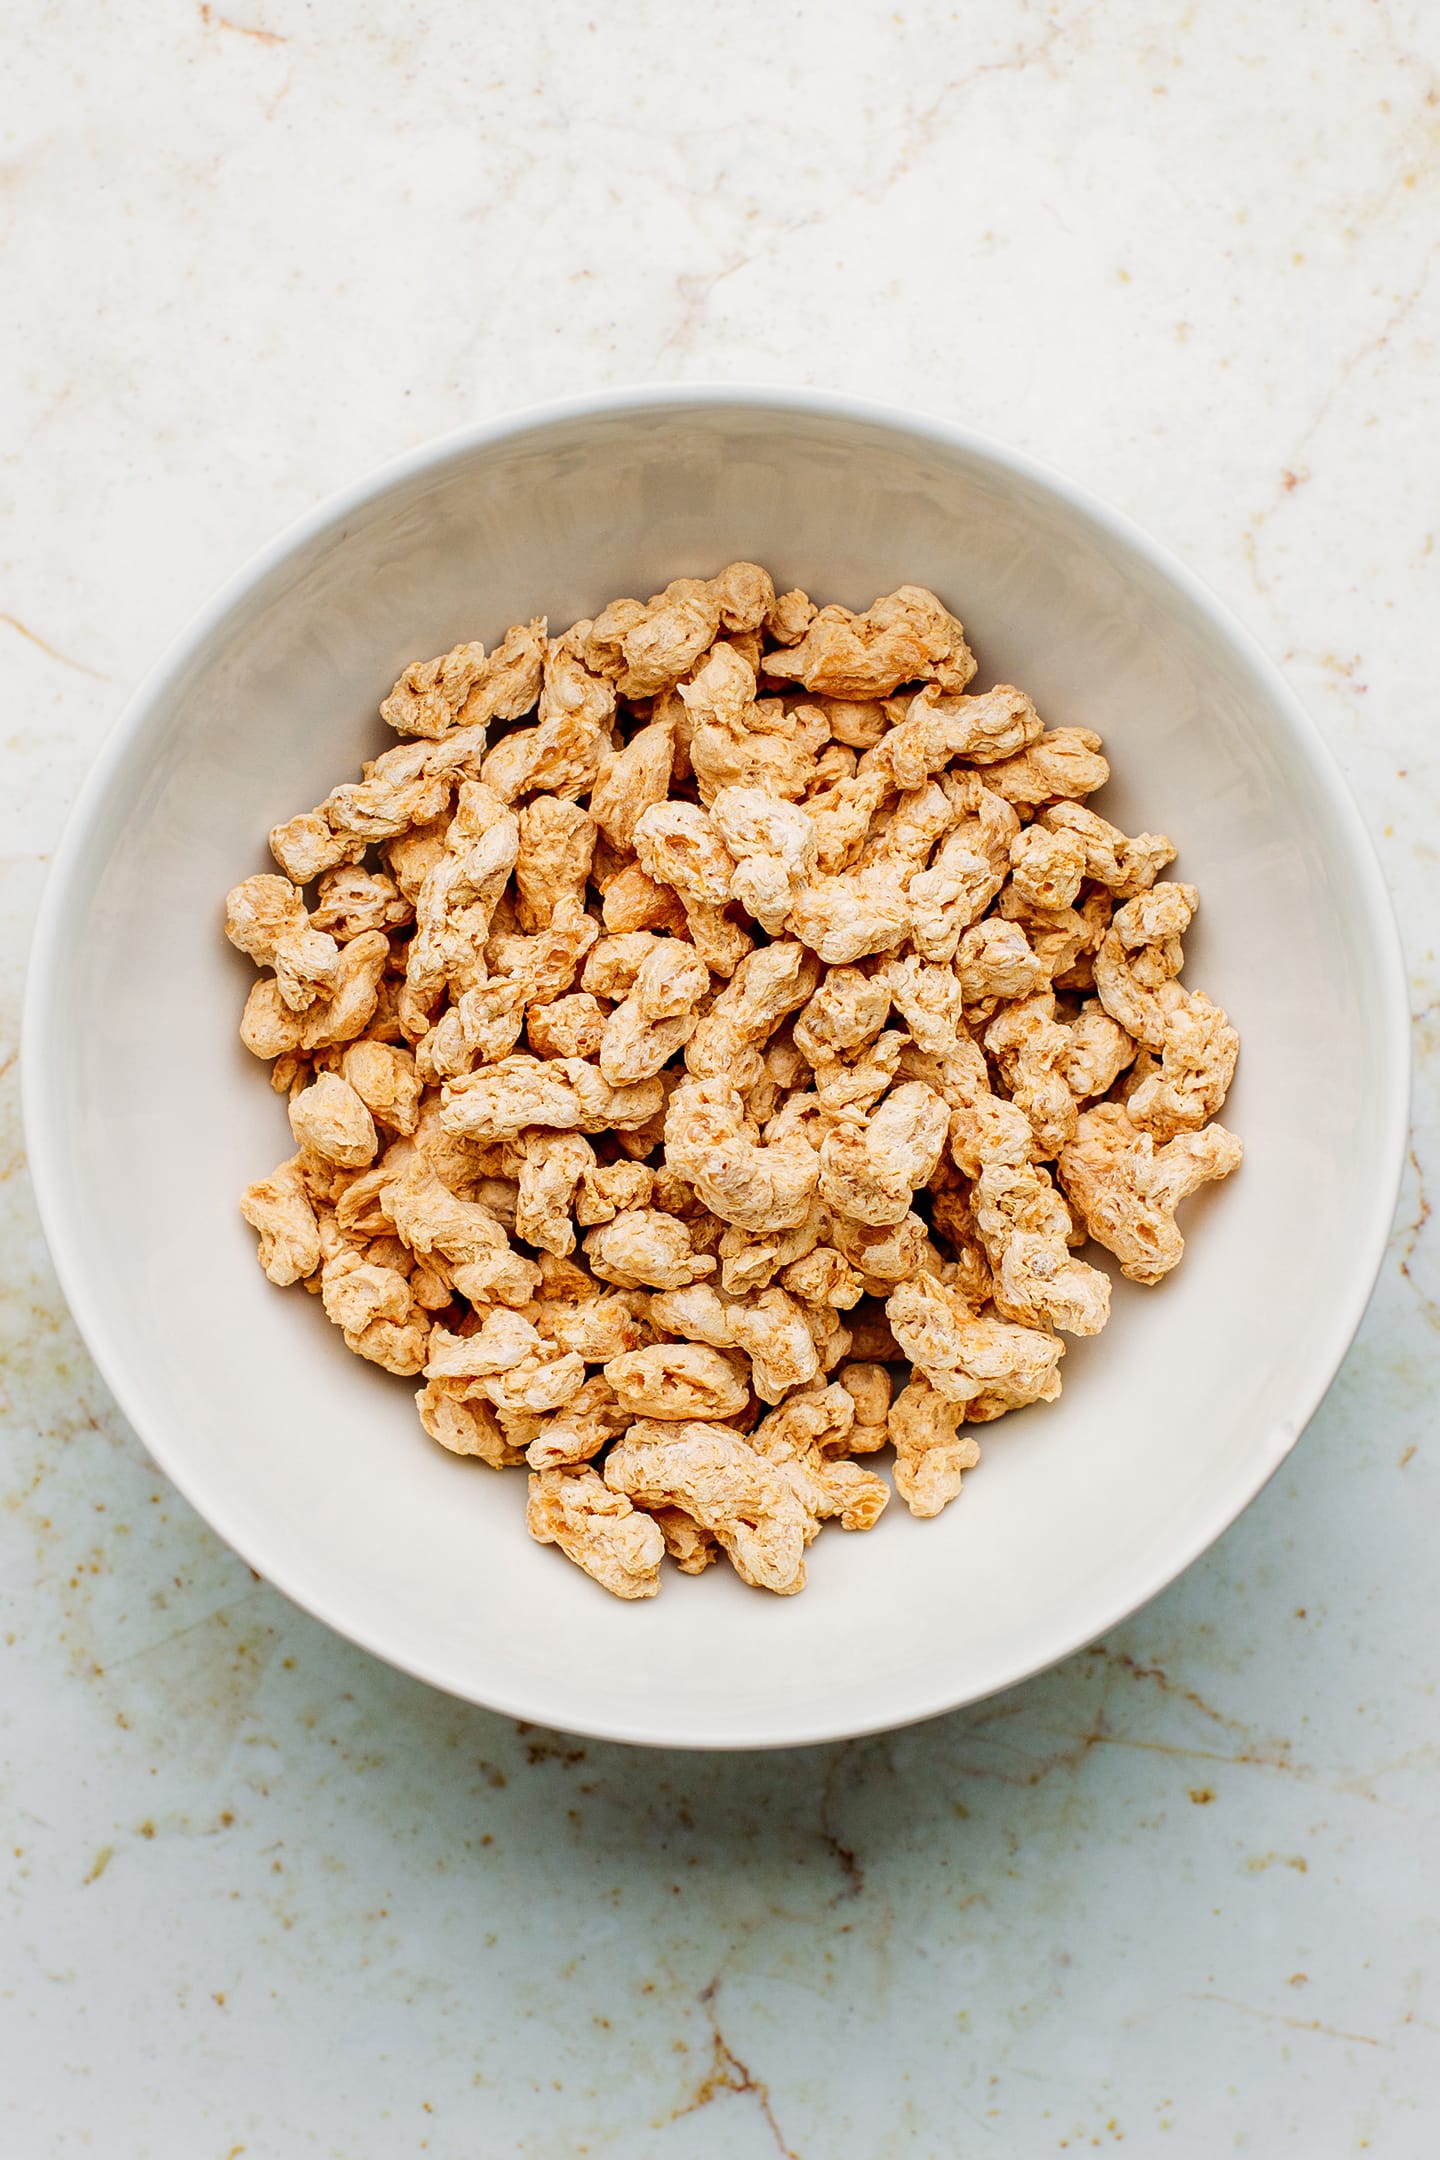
<point>145,1116</point>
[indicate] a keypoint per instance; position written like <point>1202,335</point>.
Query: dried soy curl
<point>708,1035</point>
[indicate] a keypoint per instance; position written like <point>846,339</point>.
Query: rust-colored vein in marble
<point>1278,2017</point>
<point>925,125</point>
<point>1295,469</point>
<point>214,21</point>
<point>851,1868</point>
<point>1412,1238</point>
<point>53,652</point>
<point>1122,1660</point>
<point>727,2073</point>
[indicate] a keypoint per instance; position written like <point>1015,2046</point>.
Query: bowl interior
<point>147,1117</point>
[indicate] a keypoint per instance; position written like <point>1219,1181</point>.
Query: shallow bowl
<point>145,1117</point>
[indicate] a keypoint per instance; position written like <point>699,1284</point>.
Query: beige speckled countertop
<point>264,1896</point>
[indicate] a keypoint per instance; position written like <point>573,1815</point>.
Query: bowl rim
<point>64,1229</point>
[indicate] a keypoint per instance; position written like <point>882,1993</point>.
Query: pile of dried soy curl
<point>703,1022</point>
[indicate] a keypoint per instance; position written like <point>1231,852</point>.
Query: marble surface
<point>263,1896</point>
